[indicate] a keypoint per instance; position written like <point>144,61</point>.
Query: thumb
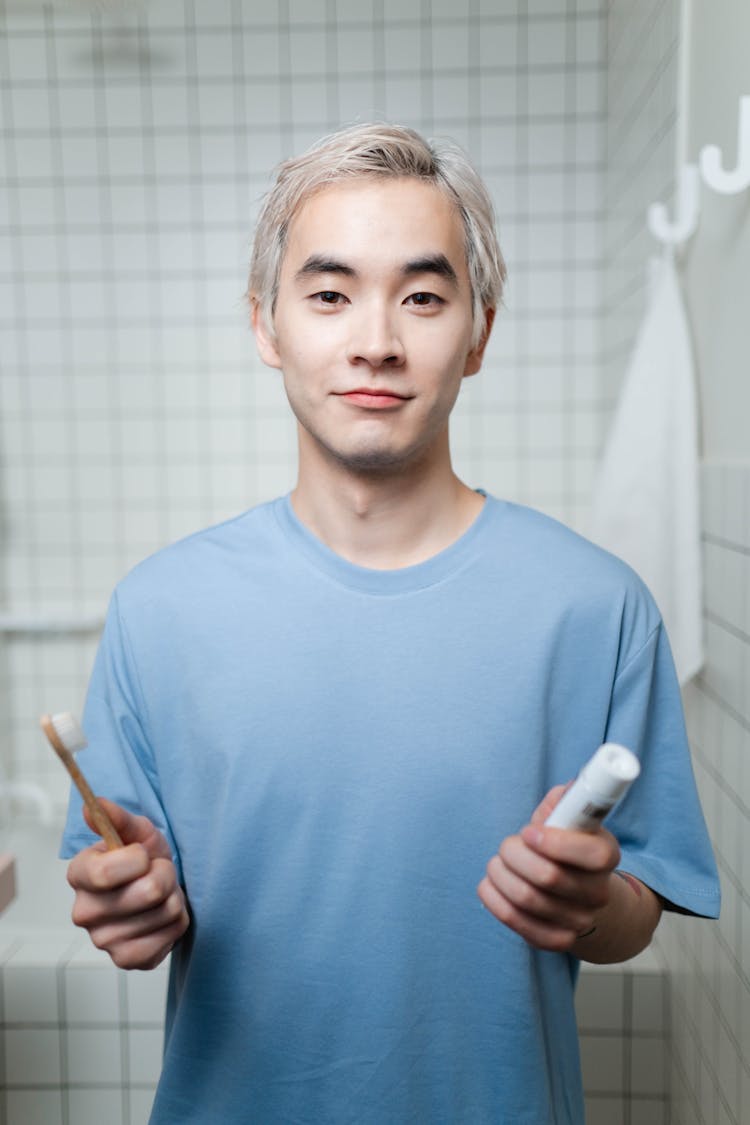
<point>132,829</point>
<point>545,807</point>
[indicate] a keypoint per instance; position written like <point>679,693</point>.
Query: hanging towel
<point>646,498</point>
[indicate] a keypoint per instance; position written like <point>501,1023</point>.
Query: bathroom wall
<point>707,962</point>
<point>135,143</point>
<point>642,77</point>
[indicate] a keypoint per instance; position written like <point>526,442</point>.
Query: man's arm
<point>129,898</point>
<point>558,888</point>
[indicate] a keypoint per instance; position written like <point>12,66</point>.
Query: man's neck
<point>386,523</point>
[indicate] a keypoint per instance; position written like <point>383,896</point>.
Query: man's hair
<point>387,151</point>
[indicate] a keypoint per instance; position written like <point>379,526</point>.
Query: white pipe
<point>683,86</point>
<point>51,623</point>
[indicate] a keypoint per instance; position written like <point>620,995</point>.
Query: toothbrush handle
<point>104,825</point>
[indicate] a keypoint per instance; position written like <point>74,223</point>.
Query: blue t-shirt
<point>334,753</point>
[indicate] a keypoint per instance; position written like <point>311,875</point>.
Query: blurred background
<point>136,141</point>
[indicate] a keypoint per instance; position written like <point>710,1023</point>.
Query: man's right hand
<point>128,898</point>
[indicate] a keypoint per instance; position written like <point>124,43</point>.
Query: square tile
<point>34,1107</point>
<point>648,1066</point>
<point>147,996</point>
<point>604,1110</point>
<point>30,994</point>
<point>92,994</point>
<point>93,1056</point>
<point>98,1107</point>
<point>602,1063</point>
<point>141,1103</point>
<point>145,1048</point>
<point>648,1001</point>
<point>650,1111</point>
<point>32,1056</point>
<point>599,1001</point>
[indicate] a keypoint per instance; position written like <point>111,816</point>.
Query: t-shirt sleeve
<point>660,824</point>
<point>118,761</point>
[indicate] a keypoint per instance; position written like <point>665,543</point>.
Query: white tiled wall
<point>708,963</point>
<point>623,1021</point>
<point>80,1041</point>
<point>135,142</point>
<point>642,67</point>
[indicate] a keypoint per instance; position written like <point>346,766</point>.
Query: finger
<point>573,913</point>
<point>540,934</point>
<point>132,828</point>
<point>558,881</point>
<point>590,851</point>
<point>557,898</point>
<point>137,896</point>
<point>167,915</point>
<point>545,807</point>
<point>98,870</point>
<point>148,951</point>
<point>549,875</point>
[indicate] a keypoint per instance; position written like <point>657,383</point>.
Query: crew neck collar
<point>369,580</point>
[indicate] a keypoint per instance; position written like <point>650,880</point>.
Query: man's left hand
<point>549,884</point>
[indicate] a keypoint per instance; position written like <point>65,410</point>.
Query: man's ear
<point>265,340</point>
<point>476,355</point>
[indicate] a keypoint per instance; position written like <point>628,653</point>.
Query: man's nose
<point>375,339</point>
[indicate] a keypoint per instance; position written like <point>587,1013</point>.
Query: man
<point>320,719</point>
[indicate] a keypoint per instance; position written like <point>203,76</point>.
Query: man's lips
<point>373,398</point>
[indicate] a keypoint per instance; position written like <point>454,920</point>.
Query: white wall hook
<point>686,211</point>
<point>729,183</point>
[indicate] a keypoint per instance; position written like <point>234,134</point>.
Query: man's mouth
<point>374,398</point>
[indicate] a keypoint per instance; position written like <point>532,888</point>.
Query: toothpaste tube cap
<point>611,770</point>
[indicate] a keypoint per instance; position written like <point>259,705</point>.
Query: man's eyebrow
<point>427,263</point>
<point>431,263</point>
<point>321,263</point>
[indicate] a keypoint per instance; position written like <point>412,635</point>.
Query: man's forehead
<point>403,215</point>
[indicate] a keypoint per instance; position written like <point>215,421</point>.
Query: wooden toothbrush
<point>65,736</point>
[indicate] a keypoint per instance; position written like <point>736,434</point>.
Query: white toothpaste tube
<point>601,783</point>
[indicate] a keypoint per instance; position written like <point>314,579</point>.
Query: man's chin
<point>371,462</point>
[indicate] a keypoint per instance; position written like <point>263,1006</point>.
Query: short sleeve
<point>118,761</point>
<point>660,824</point>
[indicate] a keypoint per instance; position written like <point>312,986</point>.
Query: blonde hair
<point>387,151</point>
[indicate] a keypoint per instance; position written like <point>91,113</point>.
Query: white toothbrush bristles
<point>69,731</point>
<point>65,736</point>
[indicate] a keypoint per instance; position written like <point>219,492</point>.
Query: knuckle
<point>99,877</point>
<point>99,939</point>
<point>167,874</point>
<point>526,897</point>
<point>152,890</point>
<point>79,915</point>
<point>121,957</point>
<point>548,877</point>
<point>174,907</point>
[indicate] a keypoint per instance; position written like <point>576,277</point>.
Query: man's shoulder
<point>203,556</point>
<point>544,543</point>
<point>559,566</point>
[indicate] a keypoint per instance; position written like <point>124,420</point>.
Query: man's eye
<point>330,297</point>
<point>424,299</point>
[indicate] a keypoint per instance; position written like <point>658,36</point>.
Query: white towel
<point>646,498</point>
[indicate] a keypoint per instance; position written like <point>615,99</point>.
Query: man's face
<point>373,322</point>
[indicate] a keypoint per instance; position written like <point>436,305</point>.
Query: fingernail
<point>532,835</point>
